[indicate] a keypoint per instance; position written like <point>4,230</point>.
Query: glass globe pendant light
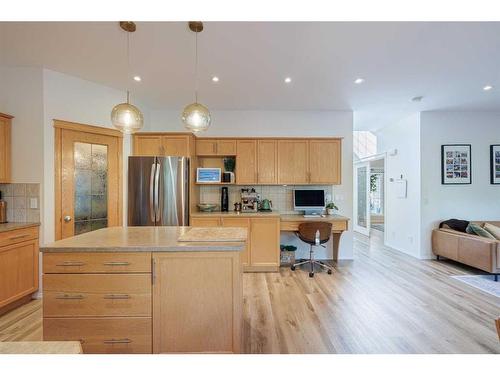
<point>124,116</point>
<point>196,117</point>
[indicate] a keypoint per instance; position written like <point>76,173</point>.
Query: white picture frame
<point>456,164</point>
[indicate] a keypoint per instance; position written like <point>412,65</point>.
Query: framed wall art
<point>456,164</point>
<point>495,164</point>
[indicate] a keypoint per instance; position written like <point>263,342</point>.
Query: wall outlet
<point>33,202</point>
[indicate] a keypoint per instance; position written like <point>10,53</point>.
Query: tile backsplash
<point>18,198</point>
<point>281,196</point>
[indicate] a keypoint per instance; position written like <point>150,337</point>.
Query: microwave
<point>208,175</point>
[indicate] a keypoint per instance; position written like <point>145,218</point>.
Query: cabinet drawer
<point>102,335</point>
<point>97,262</point>
<point>70,295</point>
<point>18,235</point>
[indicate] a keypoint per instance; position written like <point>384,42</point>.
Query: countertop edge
<point>195,248</point>
<point>7,227</point>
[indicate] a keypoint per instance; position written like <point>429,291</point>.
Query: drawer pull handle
<point>19,237</point>
<point>70,296</point>
<point>117,341</point>
<point>117,296</point>
<point>116,263</point>
<point>70,263</point>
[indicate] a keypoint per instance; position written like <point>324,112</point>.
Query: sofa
<point>472,250</point>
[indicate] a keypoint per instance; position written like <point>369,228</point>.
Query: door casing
<point>59,127</point>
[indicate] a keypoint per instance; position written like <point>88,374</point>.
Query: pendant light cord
<point>196,68</point>
<point>128,66</point>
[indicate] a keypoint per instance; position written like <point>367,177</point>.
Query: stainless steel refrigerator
<point>158,190</point>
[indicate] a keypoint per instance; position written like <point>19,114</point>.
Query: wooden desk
<point>290,223</point>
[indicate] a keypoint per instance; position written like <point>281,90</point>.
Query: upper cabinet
<point>215,147</point>
<point>267,161</point>
<point>246,161</point>
<point>264,161</point>
<point>293,161</point>
<point>5,147</point>
<point>325,161</point>
<point>153,144</point>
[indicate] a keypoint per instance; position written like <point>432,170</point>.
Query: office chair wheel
<point>311,274</point>
<point>329,272</point>
<point>292,268</point>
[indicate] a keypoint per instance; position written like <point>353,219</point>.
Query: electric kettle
<point>266,205</point>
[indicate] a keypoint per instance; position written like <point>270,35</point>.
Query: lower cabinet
<point>193,308</point>
<point>118,335</point>
<point>18,265</point>
<point>262,253</point>
<point>185,302</point>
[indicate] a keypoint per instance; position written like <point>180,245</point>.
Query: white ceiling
<point>447,63</point>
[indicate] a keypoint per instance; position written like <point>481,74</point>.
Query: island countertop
<point>152,239</point>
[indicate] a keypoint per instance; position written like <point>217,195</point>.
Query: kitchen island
<point>146,290</point>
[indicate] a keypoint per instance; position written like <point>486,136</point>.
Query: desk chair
<point>315,234</point>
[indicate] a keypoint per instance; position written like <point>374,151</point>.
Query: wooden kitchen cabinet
<point>193,308</point>
<point>205,222</point>
<point>5,147</point>
<point>264,244</point>
<point>240,223</point>
<point>293,161</point>
<point>18,265</point>
<point>324,161</point>
<point>215,147</point>
<point>267,161</point>
<point>262,253</point>
<point>152,144</point>
<point>246,162</point>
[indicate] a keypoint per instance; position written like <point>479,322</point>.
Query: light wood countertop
<point>295,217</point>
<point>236,214</point>
<point>41,347</point>
<point>6,227</point>
<point>154,239</point>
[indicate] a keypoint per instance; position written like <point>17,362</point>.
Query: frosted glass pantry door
<point>90,194</point>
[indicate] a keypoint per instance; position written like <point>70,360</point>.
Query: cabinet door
<point>18,271</point>
<point>246,162</point>
<point>267,161</point>
<point>240,223</point>
<point>264,243</point>
<point>197,302</point>
<point>205,222</point>
<point>176,145</point>
<point>226,147</point>
<point>206,147</point>
<point>5,129</point>
<point>147,145</point>
<point>293,162</point>
<point>325,161</point>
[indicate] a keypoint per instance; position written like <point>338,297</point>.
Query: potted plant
<point>331,208</point>
<point>287,255</point>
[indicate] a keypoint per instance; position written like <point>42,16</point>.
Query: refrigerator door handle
<point>157,191</point>
<point>152,192</point>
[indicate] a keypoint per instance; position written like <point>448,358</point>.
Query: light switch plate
<point>33,202</point>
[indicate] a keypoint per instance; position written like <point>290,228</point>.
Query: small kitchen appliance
<point>3,210</point>
<point>249,200</point>
<point>224,199</point>
<point>266,205</point>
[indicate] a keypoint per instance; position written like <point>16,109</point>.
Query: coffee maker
<point>249,200</point>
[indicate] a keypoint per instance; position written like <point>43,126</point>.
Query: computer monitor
<point>311,201</point>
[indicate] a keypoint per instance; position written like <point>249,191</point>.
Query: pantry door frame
<point>86,130</point>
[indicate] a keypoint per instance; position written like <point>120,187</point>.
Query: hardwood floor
<point>383,302</point>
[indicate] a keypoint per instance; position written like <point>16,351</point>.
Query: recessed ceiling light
<point>359,81</point>
<point>288,80</point>
<point>487,88</point>
<point>215,79</point>
<point>417,98</point>
<point>137,79</point>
